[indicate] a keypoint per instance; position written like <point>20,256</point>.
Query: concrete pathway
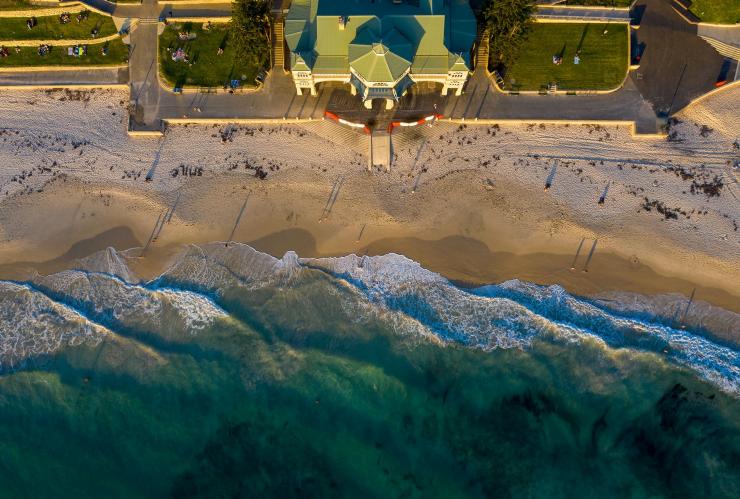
<point>145,89</point>
<point>153,10</point>
<point>725,34</point>
<point>565,13</point>
<point>677,66</point>
<point>481,101</point>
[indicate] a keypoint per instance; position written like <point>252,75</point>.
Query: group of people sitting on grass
<point>557,59</point>
<point>4,52</point>
<point>179,55</point>
<point>65,17</point>
<point>43,50</point>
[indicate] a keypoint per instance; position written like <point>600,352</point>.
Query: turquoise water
<point>239,375</point>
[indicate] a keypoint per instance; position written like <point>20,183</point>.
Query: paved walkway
<point>145,89</point>
<point>725,34</point>
<point>604,14</point>
<point>152,9</point>
<point>677,66</point>
<point>481,101</point>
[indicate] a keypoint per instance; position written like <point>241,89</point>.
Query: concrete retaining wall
<point>488,122</point>
<point>43,69</point>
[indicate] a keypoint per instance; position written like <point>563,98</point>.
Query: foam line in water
<point>514,313</point>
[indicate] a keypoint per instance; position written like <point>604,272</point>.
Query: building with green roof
<point>380,47</point>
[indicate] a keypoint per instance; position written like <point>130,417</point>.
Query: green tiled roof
<point>380,39</point>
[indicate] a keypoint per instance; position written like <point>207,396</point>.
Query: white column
<point>368,104</point>
<point>444,89</point>
<point>389,104</point>
<point>313,89</point>
<point>352,89</point>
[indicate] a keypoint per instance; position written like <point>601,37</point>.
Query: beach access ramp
<point>380,149</point>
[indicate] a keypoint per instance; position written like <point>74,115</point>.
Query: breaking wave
<point>80,305</point>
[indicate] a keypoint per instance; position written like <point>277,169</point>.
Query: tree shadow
<point>562,51</point>
<point>583,37</point>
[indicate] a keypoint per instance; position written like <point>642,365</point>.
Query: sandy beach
<point>467,201</point>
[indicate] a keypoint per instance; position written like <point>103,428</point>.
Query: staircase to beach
<point>723,48</point>
<point>339,134</point>
<point>481,49</point>
<point>278,44</point>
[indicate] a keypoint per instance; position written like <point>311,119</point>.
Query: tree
<point>250,31</point>
<point>508,22</point>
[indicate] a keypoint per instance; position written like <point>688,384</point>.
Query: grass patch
<point>603,63</point>
<point>28,56</point>
<point>49,28</point>
<point>205,67</point>
<point>717,11</point>
<point>19,5</point>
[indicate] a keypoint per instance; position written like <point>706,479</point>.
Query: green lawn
<point>28,56</point>
<point>603,64</point>
<point>49,28</point>
<point>206,68</point>
<point>717,11</point>
<point>18,5</point>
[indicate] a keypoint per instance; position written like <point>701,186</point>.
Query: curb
<point>245,121</point>
<point>711,93</point>
<point>192,89</point>
<point>576,92</point>
<point>510,121</point>
<point>43,69</point>
<point>206,19</point>
<point>73,86</point>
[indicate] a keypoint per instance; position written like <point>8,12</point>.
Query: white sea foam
<point>111,300</point>
<point>514,313</point>
<point>32,325</point>
<point>410,299</point>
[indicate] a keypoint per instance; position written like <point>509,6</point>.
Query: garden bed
<point>202,65</point>
<point>602,50</point>
<point>50,27</point>
<point>58,56</point>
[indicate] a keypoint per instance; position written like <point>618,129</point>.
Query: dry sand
<point>468,202</point>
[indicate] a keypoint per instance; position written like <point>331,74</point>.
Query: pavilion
<point>380,47</point>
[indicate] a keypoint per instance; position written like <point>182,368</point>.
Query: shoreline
<point>466,202</point>
<point>464,260</point>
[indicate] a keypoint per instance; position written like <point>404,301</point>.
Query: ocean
<point>237,374</point>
